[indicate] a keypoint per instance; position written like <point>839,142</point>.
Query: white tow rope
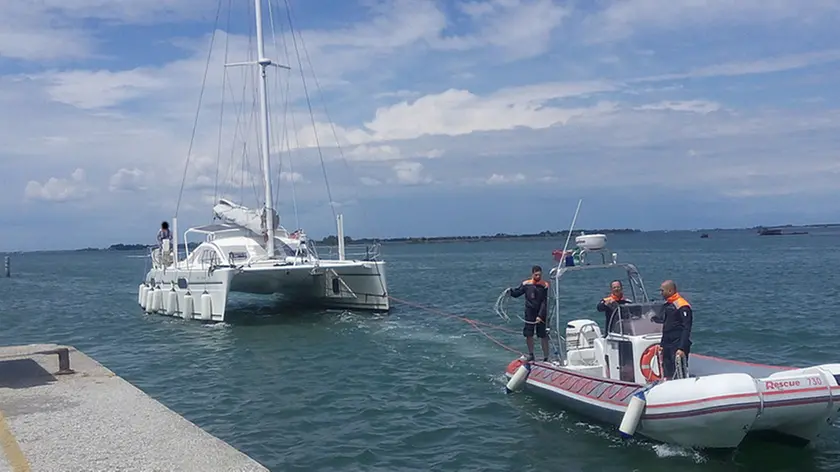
<point>501,307</point>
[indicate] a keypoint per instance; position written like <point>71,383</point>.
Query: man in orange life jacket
<point>535,290</point>
<point>609,305</point>
<point>676,319</point>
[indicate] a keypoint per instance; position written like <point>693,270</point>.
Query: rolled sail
<point>251,219</point>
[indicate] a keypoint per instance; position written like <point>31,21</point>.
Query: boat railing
<point>561,347</point>
<point>363,252</point>
<point>209,255</point>
<point>161,259</point>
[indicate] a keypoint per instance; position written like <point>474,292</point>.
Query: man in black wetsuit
<point>609,305</point>
<point>535,290</point>
<point>676,319</point>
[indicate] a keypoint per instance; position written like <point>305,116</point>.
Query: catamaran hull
<point>346,285</point>
<point>710,412</point>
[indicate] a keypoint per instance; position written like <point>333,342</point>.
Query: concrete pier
<point>60,410</point>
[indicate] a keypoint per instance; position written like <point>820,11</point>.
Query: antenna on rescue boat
<point>557,277</point>
<point>571,228</point>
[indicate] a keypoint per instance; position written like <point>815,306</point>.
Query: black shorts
<point>530,328</point>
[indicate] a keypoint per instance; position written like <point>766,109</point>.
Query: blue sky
<point>452,117</point>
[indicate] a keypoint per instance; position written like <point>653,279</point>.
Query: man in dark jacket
<point>609,305</point>
<point>676,319</point>
<point>535,290</point>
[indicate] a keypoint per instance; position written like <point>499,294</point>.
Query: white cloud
<point>777,63</point>
<point>411,173</point>
<point>59,189</point>
<point>52,29</point>
<point>420,94</point>
<point>388,152</point>
<point>101,89</point>
<point>621,19</point>
<point>291,177</point>
<point>123,11</point>
<point>519,29</point>
<point>693,106</point>
<point>768,181</point>
<point>397,94</point>
<point>383,152</point>
<point>128,180</point>
<point>501,179</point>
<point>456,112</point>
<point>29,42</point>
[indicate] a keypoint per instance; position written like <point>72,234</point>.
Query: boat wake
<point>221,325</point>
<point>662,451</point>
<point>666,451</point>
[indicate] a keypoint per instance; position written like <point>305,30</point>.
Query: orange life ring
<point>649,356</point>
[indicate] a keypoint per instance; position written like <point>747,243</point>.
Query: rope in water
<point>681,368</point>
<point>474,323</point>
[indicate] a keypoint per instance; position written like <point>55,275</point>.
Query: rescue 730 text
<point>792,383</point>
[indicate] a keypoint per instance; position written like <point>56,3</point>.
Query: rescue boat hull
<point>714,411</point>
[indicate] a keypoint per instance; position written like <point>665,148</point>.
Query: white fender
<point>189,306</point>
<point>144,290</point>
<point>206,306</point>
<point>150,298</point>
<point>157,301</point>
<point>518,378</point>
<point>632,415</point>
<point>171,302</point>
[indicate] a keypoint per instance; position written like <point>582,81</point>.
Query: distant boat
<point>704,236</point>
<point>777,232</point>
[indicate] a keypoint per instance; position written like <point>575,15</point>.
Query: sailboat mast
<point>263,62</point>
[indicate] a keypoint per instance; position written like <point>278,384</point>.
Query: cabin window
<point>335,286</point>
<point>238,254</point>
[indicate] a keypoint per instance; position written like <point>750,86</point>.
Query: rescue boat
<point>715,403</point>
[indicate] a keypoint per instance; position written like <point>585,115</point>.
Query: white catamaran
<point>245,250</point>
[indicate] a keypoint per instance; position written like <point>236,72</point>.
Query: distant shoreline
<point>332,240</point>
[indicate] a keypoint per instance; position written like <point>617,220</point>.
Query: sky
<point>427,117</point>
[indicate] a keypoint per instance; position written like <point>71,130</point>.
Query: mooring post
<point>63,360</point>
<point>7,265</point>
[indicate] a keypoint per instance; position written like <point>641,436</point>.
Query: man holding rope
<point>535,290</point>
<point>677,318</point>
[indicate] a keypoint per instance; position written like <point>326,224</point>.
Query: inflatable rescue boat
<point>616,378</point>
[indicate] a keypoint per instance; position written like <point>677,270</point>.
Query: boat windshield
<point>637,319</point>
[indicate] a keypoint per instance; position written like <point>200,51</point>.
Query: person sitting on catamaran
<point>164,233</point>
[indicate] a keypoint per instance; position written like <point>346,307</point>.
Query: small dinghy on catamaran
<point>616,379</point>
